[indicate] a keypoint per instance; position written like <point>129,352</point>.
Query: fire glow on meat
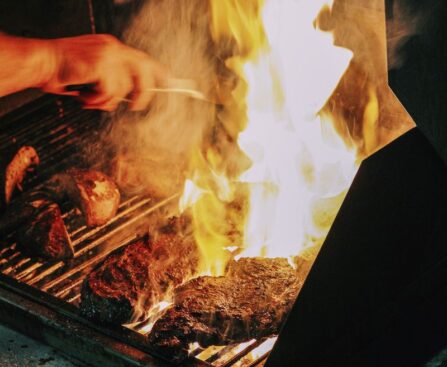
<point>283,202</point>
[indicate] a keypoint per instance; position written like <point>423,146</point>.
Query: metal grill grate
<point>56,128</point>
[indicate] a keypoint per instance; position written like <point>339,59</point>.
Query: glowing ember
<point>300,168</point>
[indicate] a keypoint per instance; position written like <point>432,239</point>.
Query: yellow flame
<point>371,119</point>
<point>286,70</point>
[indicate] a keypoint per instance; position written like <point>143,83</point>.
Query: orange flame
<point>301,168</point>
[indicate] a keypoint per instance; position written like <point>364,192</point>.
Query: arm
<point>25,63</point>
<point>115,70</point>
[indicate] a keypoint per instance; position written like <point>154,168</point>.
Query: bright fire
<point>300,168</point>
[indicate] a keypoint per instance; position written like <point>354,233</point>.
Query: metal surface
<point>417,64</point>
<point>377,292</point>
<point>41,298</point>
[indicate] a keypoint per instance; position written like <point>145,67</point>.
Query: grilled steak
<point>251,301</point>
<point>94,192</point>
<point>124,287</point>
<point>44,235</point>
<point>13,168</point>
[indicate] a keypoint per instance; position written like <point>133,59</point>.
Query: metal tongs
<point>186,87</point>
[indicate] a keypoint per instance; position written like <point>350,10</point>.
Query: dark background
<point>420,82</point>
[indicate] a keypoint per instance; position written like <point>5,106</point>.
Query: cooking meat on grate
<point>45,235</point>
<point>95,193</point>
<point>251,301</point>
<point>13,168</point>
<point>138,276</point>
<point>37,219</point>
<point>40,229</point>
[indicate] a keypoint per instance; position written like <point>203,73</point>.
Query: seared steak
<point>251,301</point>
<point>125,286</point>
<point>94,192</point>
<point>45,236</point>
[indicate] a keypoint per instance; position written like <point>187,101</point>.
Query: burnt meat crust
<point>124,287</point>
<point>94,192</point>
<point>45,235</point>
<point>251,301</point>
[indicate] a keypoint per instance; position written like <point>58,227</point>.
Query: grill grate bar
<point>74,298</point>
<point>221,353</point>
<point>238,356</point>
<point>35,265</point>
<point>64,291</point>
<point>18,130</point>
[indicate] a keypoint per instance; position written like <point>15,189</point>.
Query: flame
<point>260,352</point>
<point>300,167</point>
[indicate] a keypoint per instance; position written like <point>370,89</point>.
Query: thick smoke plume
<point>153,147</point>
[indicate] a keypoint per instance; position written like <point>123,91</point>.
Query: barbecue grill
<point>58,128</point>
<point>375,295</point>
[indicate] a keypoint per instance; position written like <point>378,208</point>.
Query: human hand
<point>114,71</point>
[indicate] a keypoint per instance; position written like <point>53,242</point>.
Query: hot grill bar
<point>41,299</point>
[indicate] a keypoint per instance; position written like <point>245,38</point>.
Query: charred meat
<point>132,279</point>
<point>45,235</point>
<point>95,193</point>
<point>251,301</point>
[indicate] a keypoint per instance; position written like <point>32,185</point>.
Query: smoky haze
<point>404,20</point>
<point>153,147</point>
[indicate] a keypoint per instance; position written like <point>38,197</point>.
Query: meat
<point>94,192</point>
<point>124,287</point>
<point>13,170</point>
<point>251,301</point>
<point>45,235</point>
<point>42,230</point>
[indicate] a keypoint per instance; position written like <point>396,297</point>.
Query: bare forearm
<point>24,63</point>
<point>115,70</point>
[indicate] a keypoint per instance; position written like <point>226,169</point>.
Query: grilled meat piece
<point>45,235</point>
<point>251,301</point>
<point>94,192</point>
<point>13,171</point>
<point>131,280</point>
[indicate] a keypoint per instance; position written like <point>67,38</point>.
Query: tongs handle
<point>186,87</point>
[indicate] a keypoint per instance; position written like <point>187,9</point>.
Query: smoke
<point>403,23</point>
<point>152,148</point>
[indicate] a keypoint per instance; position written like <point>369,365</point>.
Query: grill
<point>57,128</point>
